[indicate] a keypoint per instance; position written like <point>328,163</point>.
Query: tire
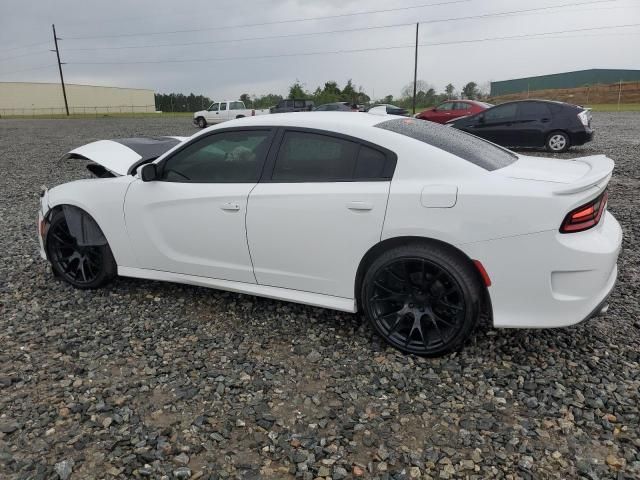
<point>239,116</point>
<point>558,142</point>
<point>423,299</point>
<point>202,123</point>
<point>84,267</point>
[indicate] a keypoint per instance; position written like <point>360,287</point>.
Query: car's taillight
<point>585,216</point>
<point>584,117</point>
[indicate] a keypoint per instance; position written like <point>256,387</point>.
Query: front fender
<point>103,200</point>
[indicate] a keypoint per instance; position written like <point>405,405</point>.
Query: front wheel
<point>558,142</point>
<point>202,123</point>
<point>422,299</point>
<point>83,266</point>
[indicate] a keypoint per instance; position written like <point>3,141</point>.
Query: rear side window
<point>236,106</point>
<point>299,103</point>
<point>468,147</point>
<point>534,111</point>
<point>314,157</point>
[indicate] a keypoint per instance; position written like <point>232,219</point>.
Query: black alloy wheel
<point>83,266</point>
<point>422,303</point>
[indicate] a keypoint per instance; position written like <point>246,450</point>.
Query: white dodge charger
<point>423,228</point>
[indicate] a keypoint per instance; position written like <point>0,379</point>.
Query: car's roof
<point>323,120</point>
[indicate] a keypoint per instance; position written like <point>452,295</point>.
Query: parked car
<point>336,107</point>
<point>452,109</point>
<point>222,111</point>
<point>296,105</point>
<point>557,126</point>
<point>391,109</point>
<point>424,228</point>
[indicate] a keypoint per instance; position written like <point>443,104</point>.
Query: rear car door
<point>317,210</point>
<point>534,120</point>
<point>498,124</point>
<point>192,219</point>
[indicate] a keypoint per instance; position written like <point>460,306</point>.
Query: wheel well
<point>239,116</point>
<point>567,134</point>
<point>381,247</point>
<point>80,213</point>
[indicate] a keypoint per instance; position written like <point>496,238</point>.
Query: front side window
<point>227,157</point>
<point>214,107</point>
<point>501,113</point>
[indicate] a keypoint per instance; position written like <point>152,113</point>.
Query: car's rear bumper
<point>580,137</point>
<point>549,279</point>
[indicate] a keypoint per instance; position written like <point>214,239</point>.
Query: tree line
<point>330,92</point>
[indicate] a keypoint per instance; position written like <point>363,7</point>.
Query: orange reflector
<point>483,272</point>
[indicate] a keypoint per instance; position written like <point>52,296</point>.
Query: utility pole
<point>64,91</point>
<point>415,70</point>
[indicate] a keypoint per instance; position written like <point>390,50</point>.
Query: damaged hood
<point>121,156</point>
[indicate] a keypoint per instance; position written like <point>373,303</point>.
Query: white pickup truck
<point>223,111</point>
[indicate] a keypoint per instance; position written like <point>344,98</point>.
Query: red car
<point>452,109</point>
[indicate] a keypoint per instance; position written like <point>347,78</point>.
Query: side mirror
<point>149,172</point>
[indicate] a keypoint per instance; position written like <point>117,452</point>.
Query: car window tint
<point>214,107</point>
<point>236,106</point>
<point>468,147</point>
<point>223,106</point>
<point>370,165</point>
<point>501,113</point>
<point>445,107</point>
<point>534,111</point>
<point>310,157</point>
<point>299,103</point>
<point>228,157</point>
<point>462,106</point>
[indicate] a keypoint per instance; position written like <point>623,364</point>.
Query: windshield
<point>466,146</point>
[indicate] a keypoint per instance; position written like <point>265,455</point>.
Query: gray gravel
<point>150,380</point>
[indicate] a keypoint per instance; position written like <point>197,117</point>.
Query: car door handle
<point>230,207</point>
<point>360,206</point>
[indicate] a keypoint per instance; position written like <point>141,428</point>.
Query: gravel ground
<point>151,380</point>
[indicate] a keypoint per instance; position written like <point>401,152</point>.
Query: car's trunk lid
<point>571,176</point>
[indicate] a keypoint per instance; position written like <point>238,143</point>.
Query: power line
<point>23,46</point>
<point>27,70</point>
<point>254,57</point>
<point>295,20</point>
<point>23,55</point>
<point>267,37</point>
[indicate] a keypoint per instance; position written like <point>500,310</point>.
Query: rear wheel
<point>422,299</point>
<point>558,142</point>
<point>202,123</point>
<point>83,266</point>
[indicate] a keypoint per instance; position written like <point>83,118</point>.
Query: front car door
<point>211,115</point>
<point>442,113</point>
<point>192,219</point>
<point>317,210</point>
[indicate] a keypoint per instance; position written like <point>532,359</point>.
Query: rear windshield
<point>463,145</point>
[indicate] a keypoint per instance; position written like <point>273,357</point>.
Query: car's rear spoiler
<point>600,170</point>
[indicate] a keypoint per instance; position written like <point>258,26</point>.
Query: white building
<point>25,98</point>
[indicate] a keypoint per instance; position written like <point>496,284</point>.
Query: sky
<point>224,52</point>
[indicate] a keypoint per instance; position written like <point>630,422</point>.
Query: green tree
<point>297,91</point>
<point>388,99</point>
<point>349,93</point>
<point>246,99</point>
<point>470,91</point>
<point>450,91</point>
